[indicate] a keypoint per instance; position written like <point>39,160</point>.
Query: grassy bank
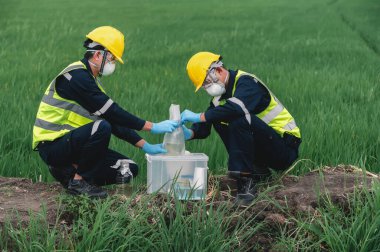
<point>158,223</point>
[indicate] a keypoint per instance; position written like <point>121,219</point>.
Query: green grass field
<point>320,57</point>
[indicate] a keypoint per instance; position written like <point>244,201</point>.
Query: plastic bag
<point>174,142</point>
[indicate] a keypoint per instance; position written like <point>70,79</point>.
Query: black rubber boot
<point>246,191</point>
<point>261,172</point>
<point>78,187</point>
<point>246,187</point>
<point>62,174</point>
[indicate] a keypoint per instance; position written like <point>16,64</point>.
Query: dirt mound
<point>296,194</point>
<point>293,196</point>
<point>302,194</point>
<point>22,196</point>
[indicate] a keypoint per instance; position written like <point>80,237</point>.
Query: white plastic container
<point>184,176</point>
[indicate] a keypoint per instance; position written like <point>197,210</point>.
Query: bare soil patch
<point>19,197</point>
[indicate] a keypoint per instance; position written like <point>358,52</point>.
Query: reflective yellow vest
<point>275,115</point>
<point>57,116</point>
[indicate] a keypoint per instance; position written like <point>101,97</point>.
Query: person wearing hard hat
<point>76,119</point>
<point>257,130</point>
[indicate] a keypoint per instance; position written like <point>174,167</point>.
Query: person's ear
<point>219,70</point>
<point>97,55</point>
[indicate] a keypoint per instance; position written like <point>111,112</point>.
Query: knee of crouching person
<point>104,127</point>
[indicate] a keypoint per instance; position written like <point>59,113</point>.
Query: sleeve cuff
<point>141,124</point>
<point>135,139</point>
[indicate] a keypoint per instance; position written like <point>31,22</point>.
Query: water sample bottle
<point>174,142</point>
<point>124,179</point>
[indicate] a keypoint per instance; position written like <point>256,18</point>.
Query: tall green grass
<point>112,225</point>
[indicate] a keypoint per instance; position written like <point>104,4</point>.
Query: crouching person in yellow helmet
<point>76,118</point>
<point>256,129</point>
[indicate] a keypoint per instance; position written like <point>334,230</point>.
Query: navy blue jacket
<point>254,96</point>
<point>83,89</point>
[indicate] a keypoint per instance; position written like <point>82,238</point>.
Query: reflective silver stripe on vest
<point>51,89</point>
<point>52,126</point>
<point>95,126</point>
<point>290,125</point>
<point>276,110</point>
<point>68,106</point>
<point>105,107</point>
<point>67,76</point>
<point>242,106</point>
<point>273,113</point>
<point>215,101</point>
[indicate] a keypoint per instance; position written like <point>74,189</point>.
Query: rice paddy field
<point>320,57</point>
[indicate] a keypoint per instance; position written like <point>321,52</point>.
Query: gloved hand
<point>188,133</point>
<point>189,116</point>
<point>153,148</point>
<point>167,126</point>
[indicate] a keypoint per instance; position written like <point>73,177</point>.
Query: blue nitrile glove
<point>167,126</point>
<point>188,133</point>
<point>153,148</point>
<point>189,116</point>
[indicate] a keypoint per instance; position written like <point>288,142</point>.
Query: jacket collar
<point>230,85</point>
<point>85,62</point>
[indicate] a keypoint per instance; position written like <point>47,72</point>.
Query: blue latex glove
<point>189,116</point>
<point>188,133</point>
<point>167,126</point>
<point>153,148</point>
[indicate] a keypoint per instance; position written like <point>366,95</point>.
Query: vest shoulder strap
<point>79,65</point>
<point>216,101</point>
<point>257,80</point>
<point>72,66</point>
<point>65,72</point>
<point>241,73</point>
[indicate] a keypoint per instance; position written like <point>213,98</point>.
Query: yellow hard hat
<point>198,66</point>
<point>111,38</point>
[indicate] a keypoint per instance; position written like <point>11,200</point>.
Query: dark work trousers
<point>87,147</point>
<point>254,148</point>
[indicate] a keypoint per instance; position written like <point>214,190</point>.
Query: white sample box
<point>184,176</point>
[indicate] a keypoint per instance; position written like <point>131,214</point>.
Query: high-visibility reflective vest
<point>57,116</point>
<point>275,115</point>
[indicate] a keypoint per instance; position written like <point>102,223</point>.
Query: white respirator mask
<point>216,89</point>
<point>108,68</point>
<point>215,86</point>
